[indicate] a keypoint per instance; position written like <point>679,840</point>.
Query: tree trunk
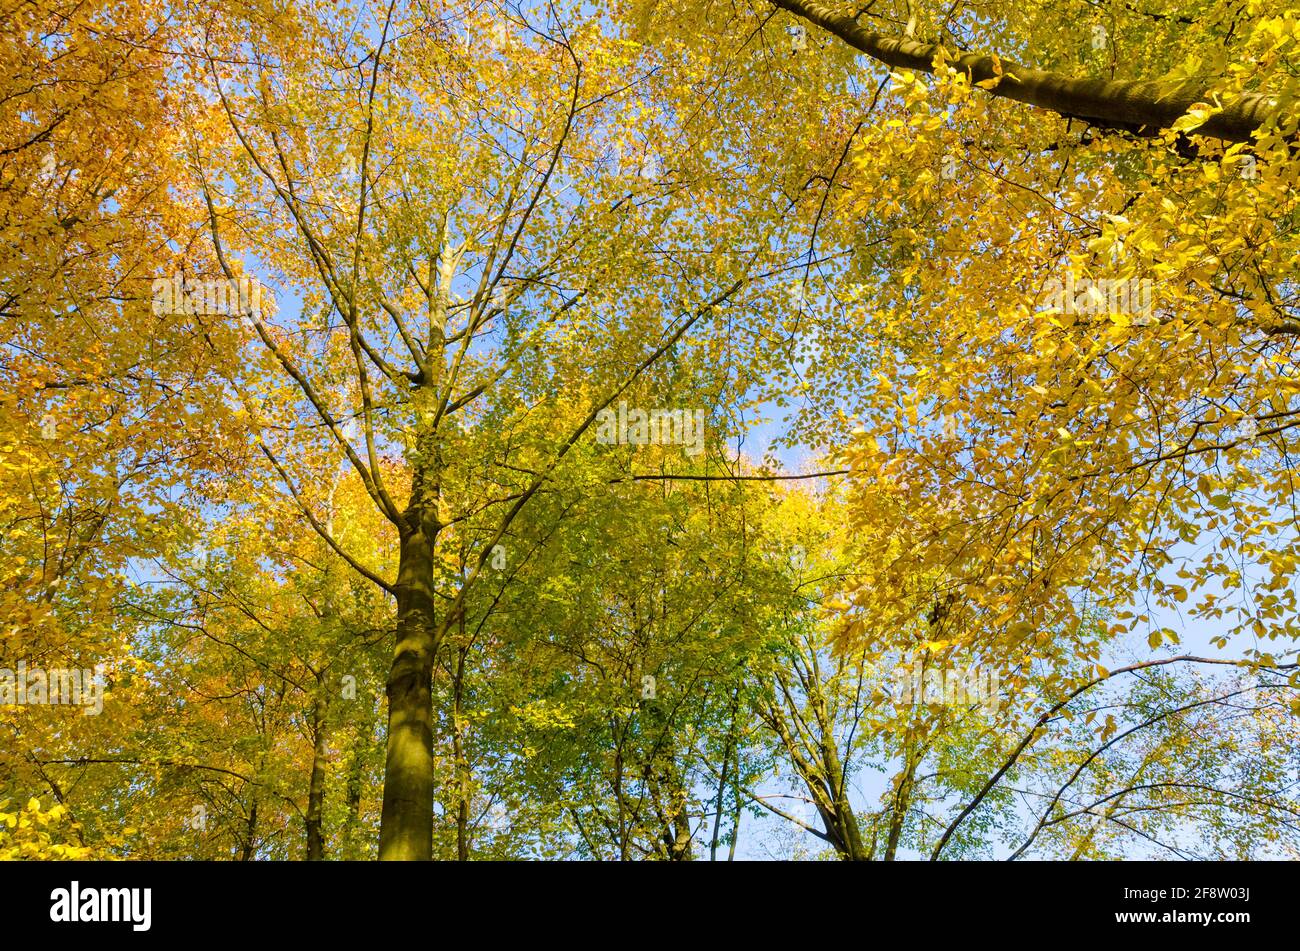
<point>351,848</point>
<point>250,837</point>
<point>316,786</point>
<point>845,832</point>
<point>406,822</point>
<point>460,756</point>
<point>723,779</point>
<point>902,801</point>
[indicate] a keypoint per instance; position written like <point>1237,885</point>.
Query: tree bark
<point>250,836</point>
<point>316,785</point>
<point>406,822</point>
<point>1141,106</point>
<point>723,779</point>
<point>902,797</point>
<point>460,756</point>
<point>842,820</point>
<point>352,821</point>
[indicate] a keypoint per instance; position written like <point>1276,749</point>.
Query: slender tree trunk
<point>355,772</point>
<point>618,797</point>
<point>250,838</point>
<point>316,786</point>
<point>460,756</point>
<point>683,844</point>
<point>902,800</point>
<point>668,794</point>
<point>406,822</point>
<point>735,823</point>
<point>723,779</point>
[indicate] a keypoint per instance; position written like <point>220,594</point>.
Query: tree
<point>703,433</point>
<point>473,241</point>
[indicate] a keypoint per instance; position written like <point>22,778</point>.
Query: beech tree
<point>648,430</point>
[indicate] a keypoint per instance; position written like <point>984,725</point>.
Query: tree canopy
<point>649,430</point>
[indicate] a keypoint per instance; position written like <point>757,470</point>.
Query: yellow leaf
<point>1193,118</point>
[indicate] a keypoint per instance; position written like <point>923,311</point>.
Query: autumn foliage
<point>648,430</point>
